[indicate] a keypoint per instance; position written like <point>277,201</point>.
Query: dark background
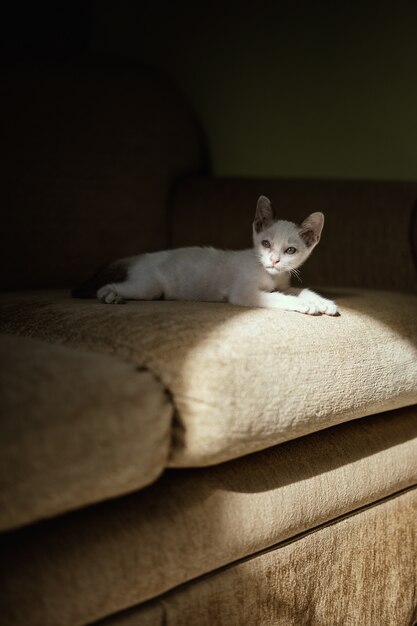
<point>283,88</point>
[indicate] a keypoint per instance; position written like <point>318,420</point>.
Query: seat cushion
<point>76,428</point>
<point>244,379</point>
<point>90,563</point>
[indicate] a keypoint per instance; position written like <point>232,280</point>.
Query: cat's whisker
<point>296,273</point>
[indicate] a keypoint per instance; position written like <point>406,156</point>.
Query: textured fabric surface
<point>75,428</point>
<point>88,157</point>
<point>244,379</point>
<point>359,571</point>
<point>367,236</point>
<point>96,561</point>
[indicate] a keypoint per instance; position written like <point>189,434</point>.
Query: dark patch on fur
<point>115,272</point>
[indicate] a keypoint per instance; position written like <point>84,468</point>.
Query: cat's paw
<point>327,307</point>
<point>313,304</point>
<point>109,295</point>
<point>321,306</point>
<point>309,308</point>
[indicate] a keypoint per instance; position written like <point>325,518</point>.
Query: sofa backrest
<point>89,155</point>
<point>370,232</point>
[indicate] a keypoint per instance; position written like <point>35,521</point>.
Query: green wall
<point>301,89</point>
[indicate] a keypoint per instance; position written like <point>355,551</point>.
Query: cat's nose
<point>275,261</point>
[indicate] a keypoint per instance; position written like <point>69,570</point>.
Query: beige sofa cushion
<point>91,563</point>
<point>244,379</point>
<point>75,428</point>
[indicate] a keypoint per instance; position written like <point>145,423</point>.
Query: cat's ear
<point>265,214</point>
<point>310,229</point>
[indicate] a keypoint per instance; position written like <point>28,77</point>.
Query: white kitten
<point>259,277</point>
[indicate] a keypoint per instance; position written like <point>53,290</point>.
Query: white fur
<point>258,277</point>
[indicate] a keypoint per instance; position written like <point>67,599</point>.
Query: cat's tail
<point>109,273</point>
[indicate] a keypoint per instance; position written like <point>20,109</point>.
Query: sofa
<point>189,463</point>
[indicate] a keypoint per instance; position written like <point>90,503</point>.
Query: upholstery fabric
<point>243,379</point>
<point>368,232</point>
<point>93,562</point>
<point>76,428</point>
<point>359,570</point>
<point>88,157</point>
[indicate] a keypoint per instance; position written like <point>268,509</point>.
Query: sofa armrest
<point>370,234</point>
<point>76,428</point>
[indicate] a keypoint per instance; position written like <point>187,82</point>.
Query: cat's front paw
<point>325,307</point>
<point>315,304</point>
<point>109,295</point>
<point>328,307</point>
<point>303,306</point>
<point>318,306</point>
<point>309,308</point>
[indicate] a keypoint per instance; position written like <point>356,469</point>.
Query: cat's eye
<point>290,250</point>
<point>266,243</point>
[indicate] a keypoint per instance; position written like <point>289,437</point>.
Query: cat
<point>258,277</point>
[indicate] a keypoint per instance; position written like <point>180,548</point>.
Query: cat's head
<point>283,246</point>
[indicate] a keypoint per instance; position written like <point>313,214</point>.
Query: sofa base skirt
<point>95,562</point>
<point>360,569</point>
